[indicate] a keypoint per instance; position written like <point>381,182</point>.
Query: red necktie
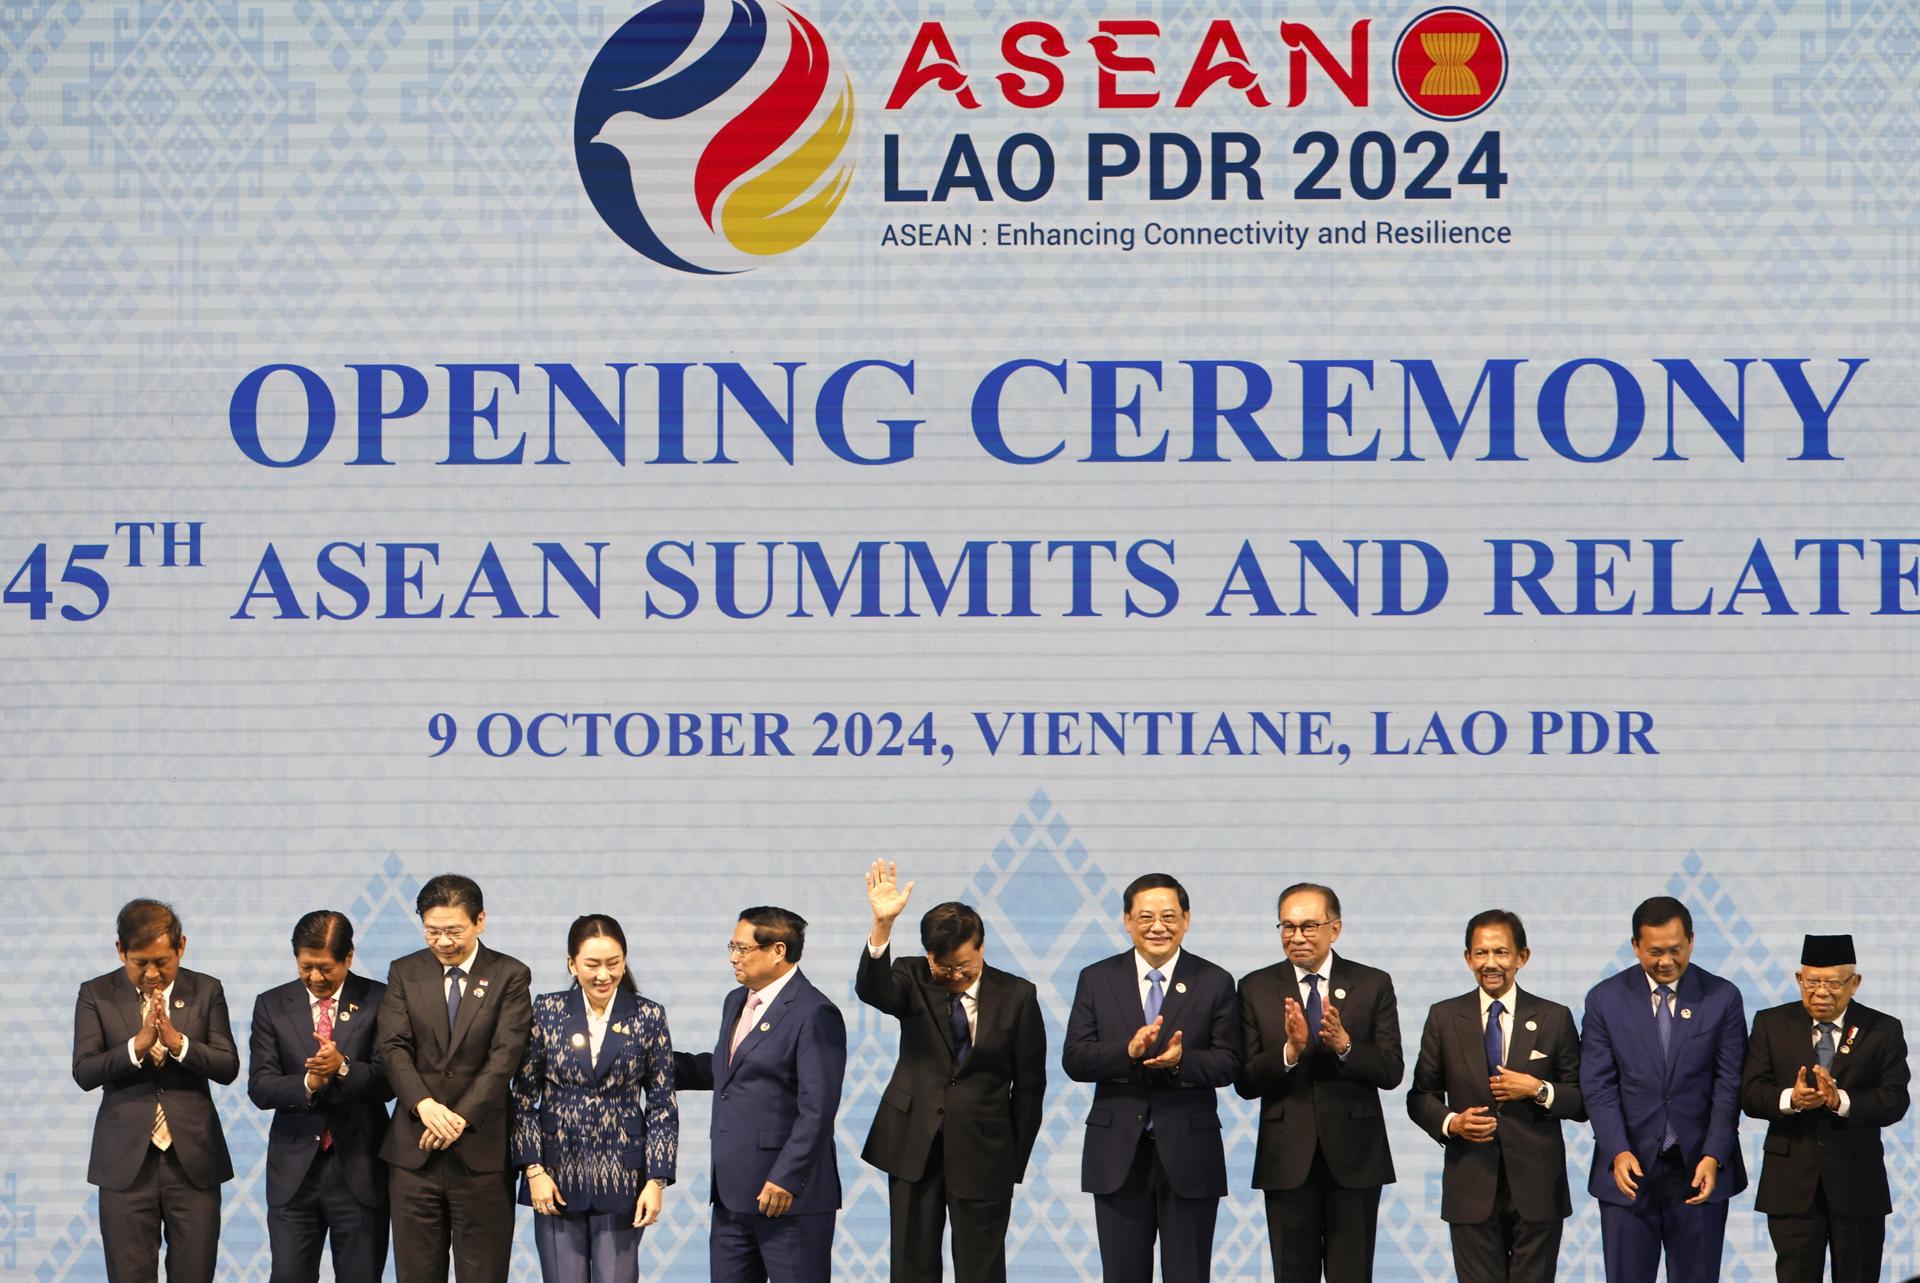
<point>323,1029</point>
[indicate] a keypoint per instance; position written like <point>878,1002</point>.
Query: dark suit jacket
<point>775,1100</point>
<point>470,1072</point>
<point>105,1015</point>
<point>1184,1103</point>
<point>1324,1101</point>
<point>988,1109</point>
<point>352,1108</point>
<point>601,1126</point>
<point>1632,1090</point>
<point>1451,1077</point>
<point>1815,1148</point>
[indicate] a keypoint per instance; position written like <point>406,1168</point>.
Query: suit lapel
<point>1640,1022</point>
<point>1856,1018</point>
<point>729,1017</point>
<point>478,994</point>
<point>620,1015</point>
<point>1526,1031</point>
<point>1686,997</point>
<point>1473,1040</point>
<point>352,1023</point>
<point>1126,991</point>
<point>1173,994</point>
<point>767,1019</point>
<point>576,1047</point>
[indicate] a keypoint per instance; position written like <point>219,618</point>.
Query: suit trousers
<point>920,1211</point>
<point>1632,1237</point>
<point>443,1207</point>
<point>1801,1243</point>
<point>160,1204</point>
<point>1145,1205</point>
<point>1505,1248</point>
<point>751,1248</point>
<point>1322,1226</point>
<point>324,1207</point>
<point>597,1247</point>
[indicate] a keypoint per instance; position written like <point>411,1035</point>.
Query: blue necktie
<point>1494,1058</point>
<point>1155,994</point>
<point>962,1036</point>
<point>1314,1009</point>
<point>454,978</point>
<point>1823,1049</point>
<point>1663,1021</point>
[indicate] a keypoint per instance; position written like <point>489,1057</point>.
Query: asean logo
<point>1450,63</point>
<point>710,137</point>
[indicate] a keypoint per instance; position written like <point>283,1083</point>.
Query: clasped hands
<point>1822,1093</point>
<point>1479,1123</point>
<point>1142,1042</point>
<point>443,1126</point>
<point>323,1065</point>
<point>1333,1034</point>
<point>157,1038</point>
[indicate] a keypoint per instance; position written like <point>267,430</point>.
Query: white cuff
<point>133,1055</point>
<point>182,1053</point>
<point>1548,1102</point>
<point>1846,1103</point>
<point>1786,1102</point>
<point>876,953</point>
<point>1446,1125</point>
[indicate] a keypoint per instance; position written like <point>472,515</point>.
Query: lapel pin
<point>1686,1013</point>
<point>765,1027</point>
<point>1341,994</point>
<point>1532,1025</point>
<point>347,1014</point>
<point>1180,987</point>
<point>579,1040</point>
<point>179,1004</point>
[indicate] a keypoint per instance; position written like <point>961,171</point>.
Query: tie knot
<point>455,973</point>
<point>326,1005</point>
<point>1313,980</point>
<point>1495,1010</point>
<point>753,1001</point>
<point>1828,1027</point>
<point>1665,991</point>
<point>1155,976</point>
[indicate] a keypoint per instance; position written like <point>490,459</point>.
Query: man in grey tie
<point>1826,1074</point>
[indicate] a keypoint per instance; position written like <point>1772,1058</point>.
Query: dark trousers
<point>161,1204</point>
<point>323,1206</point>
<point>1504,1248</point>
<point>1801,1243</point>
<point>444,1206</point>
<point>746,1247</point>
<point>596,1247</point>
<point>1322,1226</point>
<point>920,1211</point>
<point>1632,1237</point>
<point>1145,1206</point>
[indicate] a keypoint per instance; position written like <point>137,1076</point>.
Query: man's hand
<point>1510,1084</point>
<point>1477,1124</point>
<point>1333,1033</point>
<point>774,1201</point>
<point>647,1211</point>
<point>1626,1173</point>
<point>1828,1089</point>
<point>327,1060</point>
<point>1805,1095</point>
<point>1170,1057</point>
<point>1143,1040</point>
<point>1296,1030</point>
<point>170,1038</point>
<point>886,897</point>
<point>1704,1175</point>
<point>442,1124</point>
<point>149,1036</point>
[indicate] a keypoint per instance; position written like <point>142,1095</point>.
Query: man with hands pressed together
<point>1321,1037</point>
<point>453,1027</point>
<point>1498,1069</point>
<point>1157,1031</point>
<point>152,1035</point>
<point>314,1060</point>
<point>1660,1058</point>
<point>1826,1074</point>
<point>959,1116</point>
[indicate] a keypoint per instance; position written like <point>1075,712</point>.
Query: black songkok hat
<point>1827,951</point>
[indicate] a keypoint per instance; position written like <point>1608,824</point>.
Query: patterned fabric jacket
<point>585,1121</point>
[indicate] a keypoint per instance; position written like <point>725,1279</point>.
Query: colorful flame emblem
<point>711,139</point>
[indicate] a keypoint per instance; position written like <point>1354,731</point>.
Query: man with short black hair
<point>1660,1057</point>
<point>1827,1074</point>
<point>314,1059</point>
<point>957,1121</point>
<point>1157,1031</point>
<point>453,1027</point>
<point>152,1035</point>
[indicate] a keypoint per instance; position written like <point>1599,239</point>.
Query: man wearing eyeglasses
<point>453,1028</point>
<point>775,1075</point>
<point>1321,1037</point>
<point>958,1119</point>
<point>1825,1074</point>
<point>1157,1031</point>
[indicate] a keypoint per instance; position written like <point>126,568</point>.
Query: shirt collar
<point>1653,986</point>
<point>465,964</point>
<point>1141,966</point>
<point>1507,1003</point>
<point>770,992</point>
<point>1300,973</point>
<point>1839,1019</point>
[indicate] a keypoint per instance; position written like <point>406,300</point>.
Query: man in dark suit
<point>958,1119</point>
<point>1498,1069</point>
<point>1322,1040</point>
<point>453,1027</point>
<point>151,1035</point>
<point>1826,1074</point>
<point>1157,1031</point>
<point>775,1075</point>
<point>1660,1056</point>
<point>314,1060</point>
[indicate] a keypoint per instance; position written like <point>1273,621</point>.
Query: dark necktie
<point>1315,1010</point>
<point>1823,1049</point>
<point>962,1036</point>
<point>1494,1058</point>
<point>1663,1021</point>
<point>454,977</point>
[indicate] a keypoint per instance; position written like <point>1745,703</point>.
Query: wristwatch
<point>1540,1097</point>
<point>342,1071</point>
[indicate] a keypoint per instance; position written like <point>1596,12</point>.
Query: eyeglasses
<point>1303,928</point>
<point>1827,986</point>
<point>737,950</point>
<point>452,935</point>
<point>1168,919</point>
<point>956,971</point>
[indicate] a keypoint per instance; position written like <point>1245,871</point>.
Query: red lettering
<point>1106,51</point>
<point>1052,44</point>
<point>1233,68</point>
<point>1350,80</point>
<point>931,61</point>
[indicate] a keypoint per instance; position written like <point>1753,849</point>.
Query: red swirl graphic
<point>769,120</point>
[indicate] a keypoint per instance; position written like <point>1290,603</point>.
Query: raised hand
<point>1296,1029</point>
<point>885,895</point>
<point>1828,1089</point>
<point>1332,1032</point>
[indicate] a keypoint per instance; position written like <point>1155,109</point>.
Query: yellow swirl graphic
<point>761,217</point>
<point>1450,73</point>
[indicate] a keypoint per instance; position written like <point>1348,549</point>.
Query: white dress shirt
<point>166,999</point>
<point>1140,968</point>
<point>597,1029</point>
<point>1839,1023</point>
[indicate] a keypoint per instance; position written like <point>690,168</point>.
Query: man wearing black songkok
<point>1826,1073</point>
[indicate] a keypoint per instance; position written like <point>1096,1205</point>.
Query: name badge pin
<point>179,1004</point>
<point>1532,1025</point>
<point>346,1015</point>
<point>764,1026</point>
<point>1340,994</point>
<point>579,1040</point>
<point>1181,987</point>
<point>1686,1013</point>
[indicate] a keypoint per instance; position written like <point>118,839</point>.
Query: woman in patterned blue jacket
<point>595,1127</point>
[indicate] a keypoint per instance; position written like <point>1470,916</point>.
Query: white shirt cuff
<point>876,951</point>
<point>1846,1103</point>
<point>1446,1124</point>
<point>1786,1101</point>
<point>1286,1055</point>
<point>133,1055</point>
<point>182,1053</point>
<point>1548,1102</point>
